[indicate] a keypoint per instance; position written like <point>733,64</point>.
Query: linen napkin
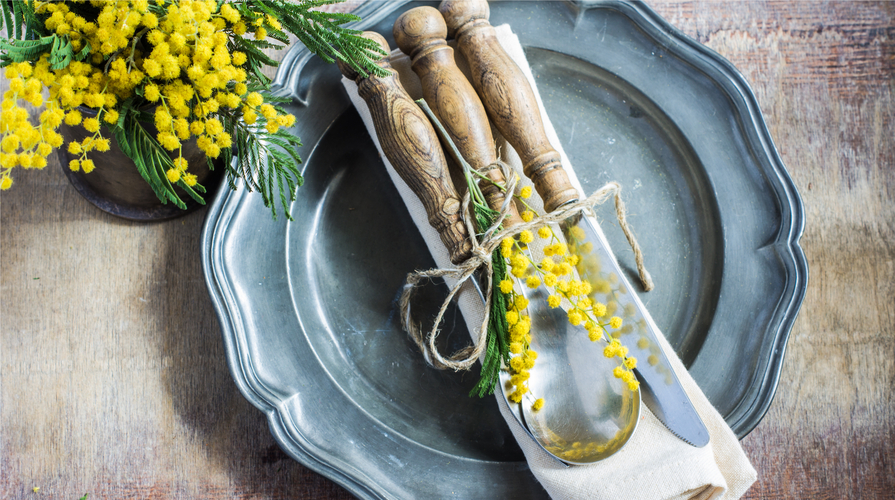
<point>654,464</point>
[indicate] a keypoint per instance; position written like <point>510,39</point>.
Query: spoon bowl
<point>588,414</point>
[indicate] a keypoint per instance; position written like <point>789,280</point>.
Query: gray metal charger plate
<point>308,310</point>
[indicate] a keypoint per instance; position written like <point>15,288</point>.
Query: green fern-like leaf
<point>323,33</point>
<point>25,50</point>
<point>151,160</point>
<point>6,19</point>
<point>267,163</point>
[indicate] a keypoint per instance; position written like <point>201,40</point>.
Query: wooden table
<point>114,380</point>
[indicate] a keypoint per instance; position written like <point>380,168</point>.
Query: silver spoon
<point>589,414</point>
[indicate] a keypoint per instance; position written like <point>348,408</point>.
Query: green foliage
<point>498,349</point>
<point>15,51</point>
<point>322,33</point>
<point>256,59</point>
<point>19,20</point>
<point>268,162</point>
<point>150,158</point>
<point>59,47</point>
<point>63,53</point>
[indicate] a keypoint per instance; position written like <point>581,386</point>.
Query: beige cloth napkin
<point>654,464</point>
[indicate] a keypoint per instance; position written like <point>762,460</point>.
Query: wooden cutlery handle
<point>420,33</point>
<point>411,145</point>
<point>508,98</point>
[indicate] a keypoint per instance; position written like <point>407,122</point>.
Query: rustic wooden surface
<point>113,379</point>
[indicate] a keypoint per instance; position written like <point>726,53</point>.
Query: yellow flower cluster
<point>557,271</point>
<point>178,59</point>
<point>21,144</point>
<point>594,313</point>
<point>522,356</point>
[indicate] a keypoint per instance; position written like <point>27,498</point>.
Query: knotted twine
<point>481,258</point>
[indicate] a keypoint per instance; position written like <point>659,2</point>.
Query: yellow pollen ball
<point>254,99</point>
<point>554,300</point>
<point>91,124</point>
<point>173,175</point>
<point>506,286</point>
<point>577,232</point>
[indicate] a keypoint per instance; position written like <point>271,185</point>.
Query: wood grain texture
<point>113,379</point>
<point>508,97</point>
<point>412,147</point>
<point>420,33</point>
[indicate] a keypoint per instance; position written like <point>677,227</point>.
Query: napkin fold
<point>654,464</point>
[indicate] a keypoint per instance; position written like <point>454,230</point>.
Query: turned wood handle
<point>420,33</point>
<point>508,98</point>
<point>411,145</point>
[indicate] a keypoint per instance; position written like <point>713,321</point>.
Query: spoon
<point>588,414</point>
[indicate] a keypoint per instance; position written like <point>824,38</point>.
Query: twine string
<point>482,251</point>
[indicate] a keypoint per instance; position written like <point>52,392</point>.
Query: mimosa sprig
<point>488,221</point>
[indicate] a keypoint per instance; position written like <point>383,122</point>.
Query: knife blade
<point>663,392</point>
<point>512,108</point>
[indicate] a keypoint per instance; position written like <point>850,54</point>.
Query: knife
<point>512,107</point>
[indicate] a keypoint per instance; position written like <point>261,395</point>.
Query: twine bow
<point>481,258</point>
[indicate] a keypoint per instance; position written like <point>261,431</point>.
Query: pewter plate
<point>307,308</point>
